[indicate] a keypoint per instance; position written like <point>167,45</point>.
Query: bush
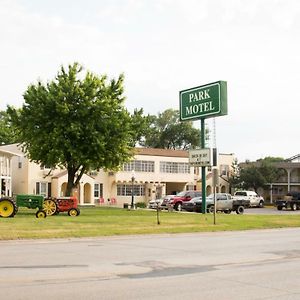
<point>140,205</point>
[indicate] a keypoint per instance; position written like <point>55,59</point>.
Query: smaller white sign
<point>200,157</point>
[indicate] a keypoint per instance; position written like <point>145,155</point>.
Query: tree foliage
<point>166,131</point>
<point>7,131</point>
<point>255,175</point>
<point>251,177</point>
<point>77,122</point>
<point>234,176</point>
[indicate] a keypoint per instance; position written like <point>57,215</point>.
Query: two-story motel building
<point>157,172</point>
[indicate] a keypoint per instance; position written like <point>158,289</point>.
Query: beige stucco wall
<point>152,180</point>
<point>223,186</point>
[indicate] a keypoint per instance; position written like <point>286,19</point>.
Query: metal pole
<point>215,183</point>
<point>132,194</point>
<point>271,193</point>
<point>215,204</point>
<point>157,213</point>
<point>203,170</point>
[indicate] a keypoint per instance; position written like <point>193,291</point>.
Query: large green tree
<point>166,131</point>
<point>78,122</point>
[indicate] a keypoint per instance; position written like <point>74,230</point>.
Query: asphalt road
<point>222,265</point>
<point>270,211</point>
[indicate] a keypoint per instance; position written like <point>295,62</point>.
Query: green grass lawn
<point>102,221</point>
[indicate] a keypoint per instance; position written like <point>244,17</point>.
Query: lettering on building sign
<point>200,95</point>
<point>201,107</point>
<point>200,158</point>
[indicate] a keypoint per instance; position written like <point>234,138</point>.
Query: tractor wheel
<point>73,212</point>
<point>8,207</point>
<point>49,207</point>
<point>40,214</point>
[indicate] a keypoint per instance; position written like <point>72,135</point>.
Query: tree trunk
<point>70,185</point>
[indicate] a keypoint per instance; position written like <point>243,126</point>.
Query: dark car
<point>294,195</point>
<point>194,205</point>
<point>291,200</point>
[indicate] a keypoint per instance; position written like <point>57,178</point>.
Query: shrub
<point>141,204</point>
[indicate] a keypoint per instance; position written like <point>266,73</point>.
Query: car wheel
<point>279,207</point>
<point>261,204</point>
<point>178,207</point>
<point>293,206</point>
<point>211,209</point>
<point>240,210</point>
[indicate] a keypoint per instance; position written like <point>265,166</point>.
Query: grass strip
<point>105,221</point>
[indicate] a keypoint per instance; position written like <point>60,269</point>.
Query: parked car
<point>291,200</point>
<point>225,203</point>
<point>176,201</point>
<point>166,200</point>
<point>255,199</point>
<point>153,203</point>
<point>194,205</point>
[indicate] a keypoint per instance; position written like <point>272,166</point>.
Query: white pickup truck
<point>225,203</point>
<point>255,200</point>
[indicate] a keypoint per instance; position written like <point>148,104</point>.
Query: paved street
<point>222,265</point>
<point>270,211</point>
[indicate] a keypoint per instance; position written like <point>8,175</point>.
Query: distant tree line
<point>254,175</point>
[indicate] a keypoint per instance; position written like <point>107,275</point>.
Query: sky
<point>163,47</point>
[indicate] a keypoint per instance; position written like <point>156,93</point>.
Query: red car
<point>176,200</point>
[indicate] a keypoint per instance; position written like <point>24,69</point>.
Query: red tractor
<point>69,204</point>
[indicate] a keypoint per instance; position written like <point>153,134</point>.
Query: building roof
<point>14,149</point>
<point>295,158</point>
<point>162,152</point>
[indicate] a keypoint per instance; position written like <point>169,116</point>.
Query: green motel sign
<point>204,101</point>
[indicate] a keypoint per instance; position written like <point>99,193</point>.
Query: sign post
<point>203,169</point>
<point>203,102</point>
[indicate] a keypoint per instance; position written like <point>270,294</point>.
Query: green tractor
<point>45,207</point>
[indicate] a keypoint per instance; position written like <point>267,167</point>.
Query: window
<point>139,166</point>
<point>43,188</point>
<point>174,167</point>
<point>43,167</point>
<point>98,190</point>
<point>221,197</point>
<point>224,170</point>
<point>19,163</point>
<point>126,190</point>
<point>190,187</point>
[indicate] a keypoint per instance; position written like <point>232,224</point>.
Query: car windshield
<point>196,199</point>
<point>181,194</point>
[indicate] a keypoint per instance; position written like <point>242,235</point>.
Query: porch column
<point>289,179</point>
<point>81,193</point>
<point>10,178</point>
